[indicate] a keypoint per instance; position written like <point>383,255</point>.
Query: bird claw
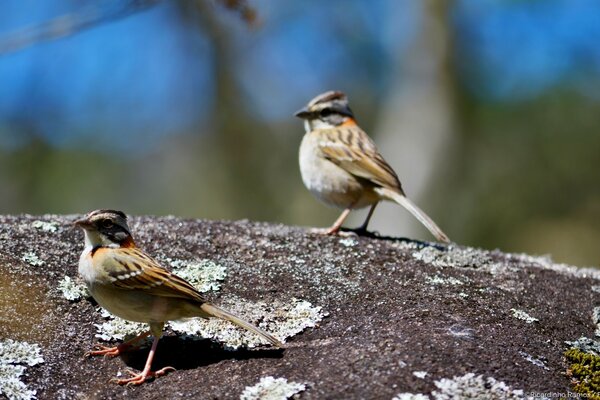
<point>105,351</point>
<point>347,234</point>
<point>332,232</point>
<point>139,378</point>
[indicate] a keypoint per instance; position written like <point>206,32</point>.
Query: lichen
<point>291,319</point>
<point>522,315</point>
<point>205,274</point>
<point>546,262</point>
<point>586,345</point>
<point>32,259</point>
<point>596,320</point>
<point>348,242</point>
<point>410,396</point>
<point>453,256</point>
<point>279,319</point>
<point>13,353</point>
<point>440,280</point>
<point>535,361</point>
<point>471,386</point>
<point>269,388</point>
<point>116,328</point>
<point>584,371</point>
<point>461,257</point>
<point>420,374</point>
<point>71,289</point>
<point>45,226</point>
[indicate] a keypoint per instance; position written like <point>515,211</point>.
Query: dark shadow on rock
<point>181,354</point>
<point>361,232</point>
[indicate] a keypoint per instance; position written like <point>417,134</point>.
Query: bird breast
<point>327,181</point>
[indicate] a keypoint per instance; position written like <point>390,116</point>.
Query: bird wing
<point>351,149</point>
<point>132,269</point>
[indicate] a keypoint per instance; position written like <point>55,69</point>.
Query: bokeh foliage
<point>185,108</point>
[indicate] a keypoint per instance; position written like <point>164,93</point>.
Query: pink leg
<point>115,351</point>
<point>338,222</point>
<point>138,379</point>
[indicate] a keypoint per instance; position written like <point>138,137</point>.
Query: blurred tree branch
<point>73,23</point>
<point>70,24</point>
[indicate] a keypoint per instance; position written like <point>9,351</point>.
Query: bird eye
<point>325,112</point>
<point>107,223</point>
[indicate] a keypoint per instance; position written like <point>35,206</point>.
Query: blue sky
<point>151,75</point>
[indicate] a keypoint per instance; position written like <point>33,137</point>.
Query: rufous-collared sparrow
<point>131,285</point>
<point>341,166</point>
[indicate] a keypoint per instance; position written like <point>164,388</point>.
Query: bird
<point>341,166</point>
<point>130,284</point>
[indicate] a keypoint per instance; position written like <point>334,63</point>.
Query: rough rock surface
<point>401,314</point>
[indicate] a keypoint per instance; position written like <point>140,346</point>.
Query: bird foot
<point>332,232</point>
<point>105,351</point>
<point>139,378</point>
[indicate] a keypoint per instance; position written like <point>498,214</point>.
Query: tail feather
<point>416,212</point>
<point>226,315</point>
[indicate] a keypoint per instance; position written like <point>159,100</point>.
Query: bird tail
<point>226,315</point>
<point>416,212</point>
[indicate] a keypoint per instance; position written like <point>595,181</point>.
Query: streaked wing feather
<point>144,273</point>
<point>351,149</point>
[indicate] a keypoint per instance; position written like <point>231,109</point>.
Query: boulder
<point>362,317</point>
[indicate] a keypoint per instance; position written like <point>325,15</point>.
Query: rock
<point>398,318</point>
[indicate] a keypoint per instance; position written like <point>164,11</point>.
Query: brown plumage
<point>132,285</point>
<point>341,165</point>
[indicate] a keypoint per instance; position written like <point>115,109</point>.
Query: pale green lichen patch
<point>596,320</point>
<point>45,226</point>
<point>586,345</point>
<point>535,361</point>
<point>116,328</point>
<point>546,262</point>
<point>493,261</point>
<point>13,353</point>
<point>471,386</point>
<point>420,374</point>
<point>523,316</point>
<point>282,320</point>
<point>410,396</point>
<point>32,259</point>
<point>454,256</point>
<point>205,275</point>
<point>269,388</point>
<point>348,242</point>
<point>444,281</point>
<point>72,289</point>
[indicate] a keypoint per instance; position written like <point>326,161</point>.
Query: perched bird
<point>341,166</point>
<point>130,284</point>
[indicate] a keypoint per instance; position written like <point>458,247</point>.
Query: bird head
<point>106,228</point>
<point>327,110</point>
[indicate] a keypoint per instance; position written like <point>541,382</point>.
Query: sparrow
<point>132,285</point>
<point>342,167</point>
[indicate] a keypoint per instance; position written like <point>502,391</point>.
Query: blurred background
<point>489,111</point>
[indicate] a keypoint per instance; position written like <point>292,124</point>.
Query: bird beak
<point>303,113</point>
<point>82,223</point>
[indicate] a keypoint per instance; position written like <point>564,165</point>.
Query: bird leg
<point>335,228</point>
<point>361,230</point>
<point>116,350</point>
<point>139,378</point>
<point>337,225</point>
